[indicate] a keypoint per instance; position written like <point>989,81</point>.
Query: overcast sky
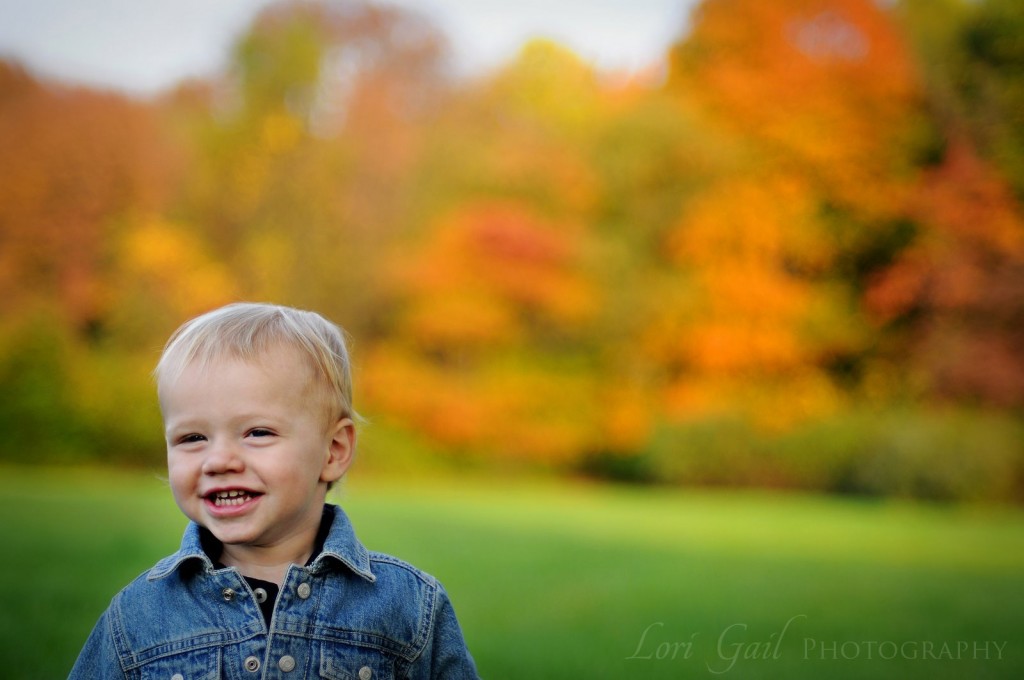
<point>142,46</point>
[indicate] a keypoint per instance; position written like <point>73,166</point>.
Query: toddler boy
<point>270,580</point>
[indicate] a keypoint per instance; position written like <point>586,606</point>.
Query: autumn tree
<point>305,152</point>
<point>485,354</point>
<point>522,133</point>
<point>82,170</point>
<point>492,335</point>
<point>818,100</point>
<point>829,93</point>
<point>827,88</point>
<point>79,168</point>
<point>951,299</point>
<point>972,56</point>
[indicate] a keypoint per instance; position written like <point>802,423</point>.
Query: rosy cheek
<point>179,474</point>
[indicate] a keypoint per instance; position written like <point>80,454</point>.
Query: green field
<point>577,581</point>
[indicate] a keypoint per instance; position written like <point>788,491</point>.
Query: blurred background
<point>786,251</point>
<point>726,244</point>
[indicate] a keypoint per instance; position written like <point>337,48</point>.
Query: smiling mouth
<point>225,499</point>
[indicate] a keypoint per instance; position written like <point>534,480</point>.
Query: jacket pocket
<point>352,662</point>
<point>197,664</point>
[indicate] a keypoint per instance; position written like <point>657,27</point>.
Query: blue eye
<point>260,432</point>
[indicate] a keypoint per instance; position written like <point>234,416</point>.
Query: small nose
<point>221,457</point>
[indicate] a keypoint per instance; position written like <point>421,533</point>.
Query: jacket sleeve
<point>445,656</point>
<point>98,658</point>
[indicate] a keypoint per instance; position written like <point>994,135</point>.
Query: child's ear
<point>340,450</point>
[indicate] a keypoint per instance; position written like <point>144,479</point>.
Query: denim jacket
<point>349,615</point>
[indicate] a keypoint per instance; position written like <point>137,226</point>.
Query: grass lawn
<point>583,582</point>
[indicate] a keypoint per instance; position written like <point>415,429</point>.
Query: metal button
<point>365,673</point>
<point>304,590</point>
<point>286,664</point>
<point>228,594</point>
<point>252,664</point>
<point>177,676</point>
<point>261,595</point>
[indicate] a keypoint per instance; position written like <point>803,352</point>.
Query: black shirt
<point>265,591</point>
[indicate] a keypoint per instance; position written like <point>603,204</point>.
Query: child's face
<point>248,453</point>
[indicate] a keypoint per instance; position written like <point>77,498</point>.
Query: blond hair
<point>247,331</point>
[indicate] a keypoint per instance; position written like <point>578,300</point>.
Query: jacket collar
<point>341,545</point>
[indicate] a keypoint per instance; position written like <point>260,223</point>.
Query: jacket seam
<point>114,627</point>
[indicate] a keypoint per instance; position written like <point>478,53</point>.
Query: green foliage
<point>716,451</point>
<point>993,89</point>
<point>972,55</point>
<point>943,455</point>
<point>104,383</point>
<point>38,411</point>
<point>72,402</point>
<point>278,62</point>
<point>937,455</point>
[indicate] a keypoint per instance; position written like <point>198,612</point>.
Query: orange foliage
<point>490,273</point>
<point>827,83</point>
<point>741,244</point>
<point>751,255</point>
<point>627,414</point>
<point>75,164</point>
<point>482,296</point>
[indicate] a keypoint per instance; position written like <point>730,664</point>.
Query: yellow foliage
<point>173,267</point>
<point>771,404</point>
<point>281,132</point>
<point>270,264</point>
<point>247,179</point>
<point>468,318</point>
<point>512,410</point>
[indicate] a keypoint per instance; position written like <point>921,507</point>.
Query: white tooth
<point>233,497</point>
